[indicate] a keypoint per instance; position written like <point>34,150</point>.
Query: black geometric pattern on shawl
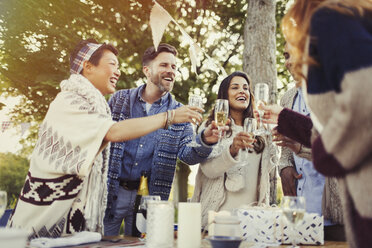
<point>75,221</point>
<point>43,192</point>
<point>54,231</point>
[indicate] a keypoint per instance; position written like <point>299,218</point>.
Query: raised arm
<point>137,127</point>
<point>290,123</point>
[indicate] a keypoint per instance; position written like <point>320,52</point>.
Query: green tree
<point>283,74</point>
<point>13,171</point>
<point>37,36</point>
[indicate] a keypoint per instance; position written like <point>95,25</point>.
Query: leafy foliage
<point>36,38</point>
<point>13,171</point>
<point>283,74</point>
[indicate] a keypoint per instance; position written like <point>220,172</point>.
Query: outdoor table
<point>126,241</point>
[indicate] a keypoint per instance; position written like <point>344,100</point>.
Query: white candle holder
<point>160,221</point>
<point>189,225</point>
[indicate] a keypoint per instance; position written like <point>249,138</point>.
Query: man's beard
<point>158,81</point>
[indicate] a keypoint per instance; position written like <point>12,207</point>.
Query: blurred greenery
<point>283,74</point>
<point>13,171</point>
<point>37,36</point>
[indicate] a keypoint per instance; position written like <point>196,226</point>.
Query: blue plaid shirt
<point>169,145</point>
<point>138,153</point>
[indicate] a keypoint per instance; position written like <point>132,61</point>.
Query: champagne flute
<point>261,95</point>
<point>195,101</point>
<point>274,150</point>
<point>221,113</point>
<point>250,127</point>
<point>142,212</point>
<point>3,202</point>
<point>293,208</point>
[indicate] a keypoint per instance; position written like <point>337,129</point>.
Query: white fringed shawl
<point>97,180</point>
<point>65,189</point>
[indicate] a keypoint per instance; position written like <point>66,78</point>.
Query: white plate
<point>15,238</point>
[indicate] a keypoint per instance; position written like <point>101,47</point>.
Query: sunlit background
<point>36,37</point>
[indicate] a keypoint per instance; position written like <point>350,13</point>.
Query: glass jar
<point>160,220</point>
<point>227,226</point>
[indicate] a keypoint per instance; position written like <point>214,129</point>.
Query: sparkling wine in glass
<point>250,127</point>
<point>142,212</point>
<point>221,114</point>
<point>293,208</point>
<point>3,202</point>
<point>261,95</point>
<point>195,101</point>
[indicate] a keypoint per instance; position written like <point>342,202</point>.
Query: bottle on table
<point>143,190</point>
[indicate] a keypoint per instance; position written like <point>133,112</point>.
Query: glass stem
<point>193,133</point>
<point>293,235</point>
<point>219,136</point>
<point>260,115</point>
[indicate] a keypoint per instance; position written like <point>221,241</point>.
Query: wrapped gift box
<point>310,230</point>
<point>260,225</point>
<point>268,225</point>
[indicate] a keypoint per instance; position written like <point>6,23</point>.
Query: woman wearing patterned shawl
<point>65,189</point>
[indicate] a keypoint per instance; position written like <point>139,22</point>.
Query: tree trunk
<point>259,56</point>
<point>259,59</point>
<point>175,189</point>
<point>183,173</point>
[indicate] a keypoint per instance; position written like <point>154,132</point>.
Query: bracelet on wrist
<point>169,119</point>
<point>165,120</point>
<point>173,115</point>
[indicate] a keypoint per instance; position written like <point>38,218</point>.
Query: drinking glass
<point>250,127</point>
<point>3,202</point>
<point>274,149</point>
<point>160,224</point>
<point>142,212</point>
<point>261,95</point>
<point>221,113</point>
<point>293,208</point>
<point>195,101</point>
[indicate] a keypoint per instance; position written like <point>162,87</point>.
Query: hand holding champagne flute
<point>221,113</point>
<point>271,113</point>
<point>195,101</point>
<point>250,127</point>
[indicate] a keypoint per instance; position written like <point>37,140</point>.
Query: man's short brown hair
<point>151,54</point>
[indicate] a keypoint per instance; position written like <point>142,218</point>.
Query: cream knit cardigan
<point>214,186</point>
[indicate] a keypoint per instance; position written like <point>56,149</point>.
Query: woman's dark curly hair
<point>248,112</point>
